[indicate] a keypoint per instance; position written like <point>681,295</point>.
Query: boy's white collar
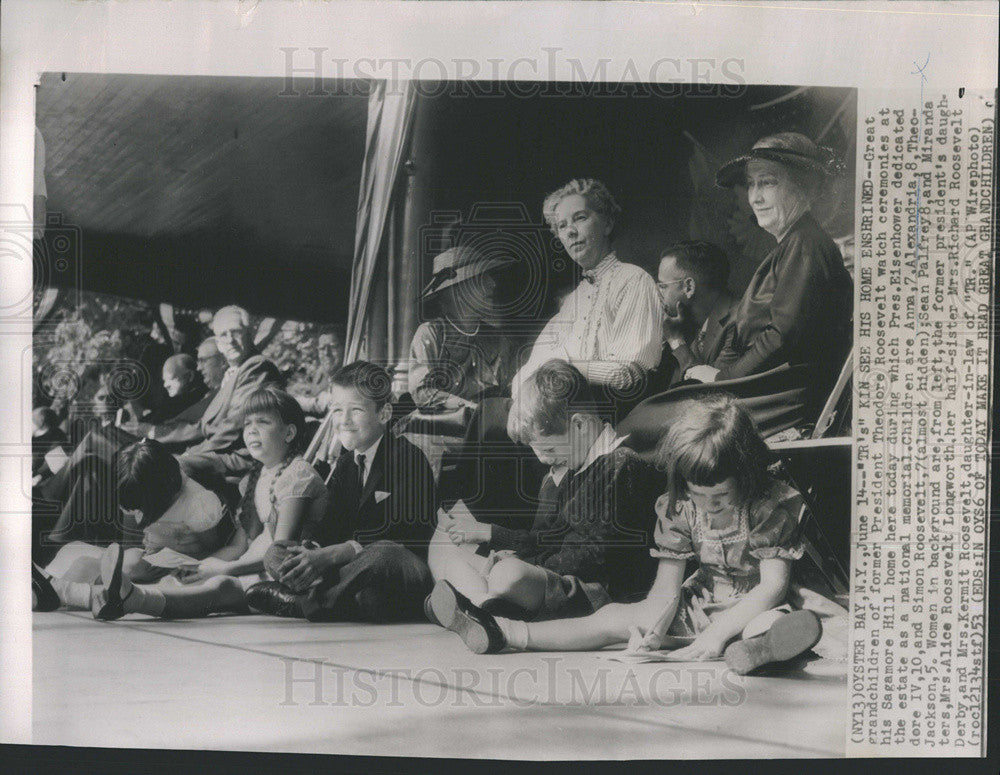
<point>369,453</point>
<point>605,443</point>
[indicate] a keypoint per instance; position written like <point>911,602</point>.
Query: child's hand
<point>465,530</point>
<point>637,641</point>
<point>495,557</point>
<point>303,567</point>
<point>704,648</point>
<point>204,570</point>
<point>653,638</point>
<point>702,373</point>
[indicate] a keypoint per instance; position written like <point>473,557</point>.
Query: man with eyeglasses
<point>214,444</point>
<point>697,305</point>
<point>211,363</point>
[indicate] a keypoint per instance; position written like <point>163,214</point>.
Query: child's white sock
<point>514,632</point>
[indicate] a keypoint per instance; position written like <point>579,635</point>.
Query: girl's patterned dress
<point>263,493</point>
<point>729,562</point>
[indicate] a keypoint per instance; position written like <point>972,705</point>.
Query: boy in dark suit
<point>369,563</point>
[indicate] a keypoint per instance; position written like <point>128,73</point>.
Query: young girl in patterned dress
<point>283,499</point>
<point>723,510</point>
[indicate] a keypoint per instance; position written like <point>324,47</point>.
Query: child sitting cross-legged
<point>368,560</point>
<point>590,539</point>
<point>723,510</point>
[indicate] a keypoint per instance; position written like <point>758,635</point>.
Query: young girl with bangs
<point>283,499</point>
<point>723,510</point>
<point>160,508</point>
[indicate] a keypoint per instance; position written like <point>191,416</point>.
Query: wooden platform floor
<point>255,683</point>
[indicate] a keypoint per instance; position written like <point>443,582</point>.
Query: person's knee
<point>226,586</point>
<point>131,560</point>
<point>69,552</point>
<point>389,563</point>
<point>394,561</point>
<point>443,555</point>
<point>84,569</point>
<point>386,553</point>
<point>391,583</point>
<point>508,578</point>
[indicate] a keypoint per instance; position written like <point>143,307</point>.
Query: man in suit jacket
<point>697,304</point>
<point>213,446</point>
<point>369,562</point>
<point>73,504</point>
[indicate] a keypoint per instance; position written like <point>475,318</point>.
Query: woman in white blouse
<point>609,326</point>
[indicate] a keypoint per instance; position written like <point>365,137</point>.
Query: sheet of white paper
<point>56,458</point>
<point>168,558</point>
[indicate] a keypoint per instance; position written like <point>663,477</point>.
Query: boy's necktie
<point>360,462</point>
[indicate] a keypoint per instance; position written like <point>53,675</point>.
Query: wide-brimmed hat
<point>458,265</point>
<point>788,148</point>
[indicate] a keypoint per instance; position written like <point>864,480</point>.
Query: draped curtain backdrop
<point>390,120</point>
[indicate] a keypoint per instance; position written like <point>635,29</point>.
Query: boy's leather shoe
<point>275,599</point>
<point>46,598</point>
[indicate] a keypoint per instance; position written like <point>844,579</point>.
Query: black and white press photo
<point>386,395</point>
<point>515,395</point>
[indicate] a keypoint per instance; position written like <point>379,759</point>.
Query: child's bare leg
<point>132,557</point>
<point>217,594</point>
<point>69,554</point>
<point>84,569</point>
<point>87,567</point>
<point>459,565</point>
<point>606,627</point>
<point>518,582</point>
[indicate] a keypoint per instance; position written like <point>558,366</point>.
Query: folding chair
<point>801,457</point>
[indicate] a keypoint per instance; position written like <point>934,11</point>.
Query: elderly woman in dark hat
<point>459,356</point>
<point>797,307</point>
